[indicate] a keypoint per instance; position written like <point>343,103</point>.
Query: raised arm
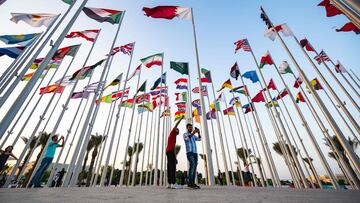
<point>178,122</point>
<point>14,156</point>
<point>62,144</point>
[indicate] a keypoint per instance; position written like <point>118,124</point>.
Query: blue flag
<point>15,39</point>
<point>251,75</point>
<point>12,52</point>
<point>159,80</point>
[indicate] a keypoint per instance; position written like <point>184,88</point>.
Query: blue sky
<point>219,24</point>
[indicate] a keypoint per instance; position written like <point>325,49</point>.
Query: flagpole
<point>213,133</point>
<point>158,128</point>
<point>150,141</point>
<point>162,149</point>
<point>221,139</point>
<point>133,151</point>
<point>15,107</point>
<point>203,110</point>
<point>264,144</point>
<point>346,80</point>
<point>351,15</point>
<point>233,138</point>
<point>351,77</point>
<point>244,142</point>
<point>190,118</point>
<point>344,143</point>
<point>152,152</point>
<point>129,134</point>
<point>144,148</point>
<point>354,74</point>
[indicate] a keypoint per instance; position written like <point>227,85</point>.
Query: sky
<point>218,25</point>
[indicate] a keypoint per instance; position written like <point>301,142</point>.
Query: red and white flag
<point>89,35</point>
<point>298,82</point>
<point>168,12</point>
<point>339,68</point>
<point>242,44</point>
<point>136,72</point>
<point>321,57</point>
<point>283,28</point>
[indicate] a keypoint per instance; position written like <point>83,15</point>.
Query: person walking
<point>5,154</point>
<point>171,157</point>
<point>47,160</point>
<point>191,153</point>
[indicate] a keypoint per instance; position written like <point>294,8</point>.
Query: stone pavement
<point>159,194</point>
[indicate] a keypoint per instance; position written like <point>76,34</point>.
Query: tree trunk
<point>92,162</point>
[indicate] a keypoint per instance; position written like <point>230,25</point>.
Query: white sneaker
<point>176,186</point>
<point>170,186</point>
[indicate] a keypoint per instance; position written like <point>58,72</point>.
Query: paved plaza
<point>160,194</point>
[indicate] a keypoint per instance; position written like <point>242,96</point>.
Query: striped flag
<point>321,57</point>
<point>242,44</point>
<point>196,90</point>
<point>126,49</point>
<point>89,35</point>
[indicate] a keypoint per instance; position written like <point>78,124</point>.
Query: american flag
<point>125,49</point>
<point>321,57</point>
<point>242,44</point>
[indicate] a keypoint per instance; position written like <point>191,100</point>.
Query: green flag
<point>180,67</point>
<point>142,88</point>
<point>284,68</point>
<point>68,1</point>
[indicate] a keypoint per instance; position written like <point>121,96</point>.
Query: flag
<point>220,98</point>
<point>272,103</point>
<point>159,90</point>
<point>284,68</point>
<point>126,49</point>
<point>226,84</point>
<point>349,27</point>
<point>161,79</point>
<point>65,81</point>
<point>181,96</point>
<point>66,51</point>
<point>282,94</point>
<point>266,60</point>
<point>305,43</point>
<point>234,71</point>
<point>166,112</point>
<point>284,29</point>
<point>103,15</point>
<point>89,35</point>
<point>168,12</point>
<point>196,90</point>
<point>235,101</point>
<point>242,44</point>
<point>264,18</point>
<point>86,71</point>
<point>51,64</point>
<point>93,86</point>
<point>179,115</point>
<point>210,115</point>
<point>181,105</point>
<point>181,67</point>
<point>52,88</point>
<point>321,57</point>
<point>196,103</point>
<point>316,84</point>
<point>271,85</point>
<point>142,88</point>
<point>115,82</point>
<point>152,60</point>
<point>248,108</point>
<point>15,39</point>
<point>34,19</point>
<point>2,1</point>
<point>128,103</point>
<point>28,76</point>
<point>339,68</point>
<point>215,107</point>
<point>251,75</point>
<point>12,52</point>
<point>145,107</point>
<point>196,115</point>
<point>299,98</point>
<point>142,98</point>
<point>229,111</point>
<point>136,72</point>
<point>82,94</point>
<point>298,82</point>
<point>181,83</point>
<point>330,9</point>
<point>68,1</point>
<point>259,97</point>
<point>241,90</point>
<point>207,76</point>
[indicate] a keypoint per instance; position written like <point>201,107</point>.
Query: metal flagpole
<point>129,134</point>
<point>352,78</point>
<point>344,143</point>
<point>42,117</point>
<point>350,14</point>
<point>143,157</point>
<point>152,151</point>
<point>162,150</point>
<point>213,133</point>
<point>158,128</point>
<point>133,151</point>
<point>276,114</point>
<point>221,139</point>
<point>244,142</point>
<point>7,119</point>
<point>264,144</point>
<point>354,75</point>
<point>116,123</point>
<point>233,138</point>
<point>203,110</point>
<point>148,153</point>
<point>228,151</point>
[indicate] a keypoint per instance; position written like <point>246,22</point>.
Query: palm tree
<point>308,162</point>
<point>127,164</point>
<point>243,154</point>
<point>341,150</point>
<point>96,142</point>
<point>139,148</point>
<point>277,149</point>
<point>31,147</point>
<point>88,149</point>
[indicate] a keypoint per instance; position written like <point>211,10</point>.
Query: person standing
<point>4,156</point>
<point>191,153</point>
<point>47,160</point>
<point>171,157</point>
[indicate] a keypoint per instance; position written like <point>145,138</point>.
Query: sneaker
<point>191,186</point>
<point>176,186</point>
<point>38,186</point>
<point>169,186</point>
<point>196,186</point>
